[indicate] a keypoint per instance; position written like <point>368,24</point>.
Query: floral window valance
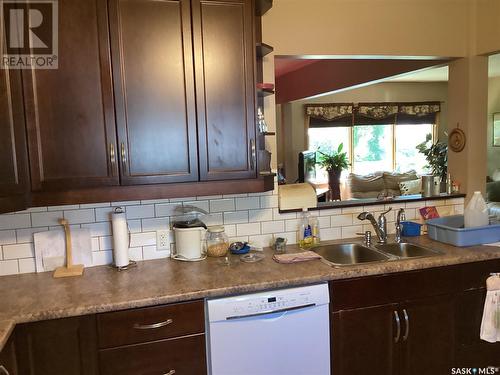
<point>346,114</point>
<point>329,112</point>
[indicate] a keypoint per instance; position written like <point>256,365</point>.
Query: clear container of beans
<point>217,241</point>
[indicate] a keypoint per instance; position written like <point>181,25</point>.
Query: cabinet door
<point>58,347</point>
<point>429,332</point>
<point>225,88</point>
<point>8,358</point>
<point>364,341</point>
<point>471,351</point>
<point>70,114</point>
<point>13,161</point>
<point>154,86</point>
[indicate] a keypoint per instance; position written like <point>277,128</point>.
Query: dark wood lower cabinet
<point>58,347</point>
<point>8,358</point>
<point>185,355</point>
<point>428,336</point>
<point>363,341</point>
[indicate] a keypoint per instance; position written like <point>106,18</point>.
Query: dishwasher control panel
<point>266,302</point>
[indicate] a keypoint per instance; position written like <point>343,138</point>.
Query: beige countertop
<point>34,297</point>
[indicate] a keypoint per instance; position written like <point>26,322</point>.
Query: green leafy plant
<point>436,155</point>
<point>334,160</point>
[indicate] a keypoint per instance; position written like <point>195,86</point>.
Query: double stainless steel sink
<point>345,254</point>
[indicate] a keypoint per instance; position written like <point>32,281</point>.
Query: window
<point>374,147</point>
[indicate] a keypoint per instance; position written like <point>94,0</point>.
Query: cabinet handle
<point>154,325</point>
<point>398,327</point>
<point>253,155</point>
<point>407,323</point>
<point>171,372</point>
<point>123,153</point>
<point>3,370</point>
<point>112,155</point>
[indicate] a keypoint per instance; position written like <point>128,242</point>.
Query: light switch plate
<point>162,240</point>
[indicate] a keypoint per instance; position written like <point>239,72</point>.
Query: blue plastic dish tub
<point>451,230</point>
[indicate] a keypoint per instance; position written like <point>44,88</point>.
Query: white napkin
<point>490,325</point>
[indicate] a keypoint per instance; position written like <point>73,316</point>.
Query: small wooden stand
<point>70,269</point>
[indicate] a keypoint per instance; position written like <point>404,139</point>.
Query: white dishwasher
<point>279,332</point>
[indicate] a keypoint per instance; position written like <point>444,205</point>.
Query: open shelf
<point>262,6</point>
<point>265,173</point>
<point>263,49</point>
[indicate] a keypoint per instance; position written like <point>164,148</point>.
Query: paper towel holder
<point>131,263</point>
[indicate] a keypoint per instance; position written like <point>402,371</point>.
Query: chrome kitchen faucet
<point>380,225</point>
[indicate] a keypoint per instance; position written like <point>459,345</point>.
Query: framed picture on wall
<point>496,129</point>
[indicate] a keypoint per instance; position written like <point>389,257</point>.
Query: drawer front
<point>181,356</point>
<point>150,323</point>
<point>392,288</point>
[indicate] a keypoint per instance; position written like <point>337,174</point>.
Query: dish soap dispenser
<point>476,212</point>
<point>305,231</point>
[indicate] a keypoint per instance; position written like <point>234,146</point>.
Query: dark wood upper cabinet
<point>70,113</point>
<point>154,85</point>
<point>225,88</point>
<point>13,158</point>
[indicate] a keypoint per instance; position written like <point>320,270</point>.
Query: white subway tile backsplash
<point>27,265</point>
<point>260,215</point>
<point>341,220</point>
<point>236,217</point>
<point>64,207</point>
<point>45,219</point>
<point>9,267</point>
<point>166,209</point>
<point>328,234</point>
<point>251,217</point>
<point>7,237</point>
<point>26,235</point>
<point>80,216</point>
<point>247,229</point>
<point>150,252</point>
<point>458,209</point>
<point>23,250</point>
<point>247,203</point>
<point>222,205</point>
<point>159,223</point>
<point>142,239</point>
<point>15,221</point>
<point>140,212</point>
<point>269,201</point>
<point>272,226</point>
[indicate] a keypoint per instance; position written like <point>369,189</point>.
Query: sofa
<point>382,184</point>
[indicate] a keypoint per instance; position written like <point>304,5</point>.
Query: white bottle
<point>476,212</point>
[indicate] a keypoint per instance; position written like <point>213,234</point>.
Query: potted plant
<point>334,163</point>
<point>436,155</point>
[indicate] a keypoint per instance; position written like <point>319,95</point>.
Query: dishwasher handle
<point>271,312</point>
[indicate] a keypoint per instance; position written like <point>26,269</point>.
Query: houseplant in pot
<point>436,155</point>
<point>334,163</point>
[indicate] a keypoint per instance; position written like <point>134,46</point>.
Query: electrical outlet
<point>162,240</point>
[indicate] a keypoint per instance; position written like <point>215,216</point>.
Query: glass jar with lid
<point>217,241</point>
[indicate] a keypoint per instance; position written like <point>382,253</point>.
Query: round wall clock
<point>457,139</point>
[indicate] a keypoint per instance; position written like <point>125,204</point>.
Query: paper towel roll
<point>120,238</point>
